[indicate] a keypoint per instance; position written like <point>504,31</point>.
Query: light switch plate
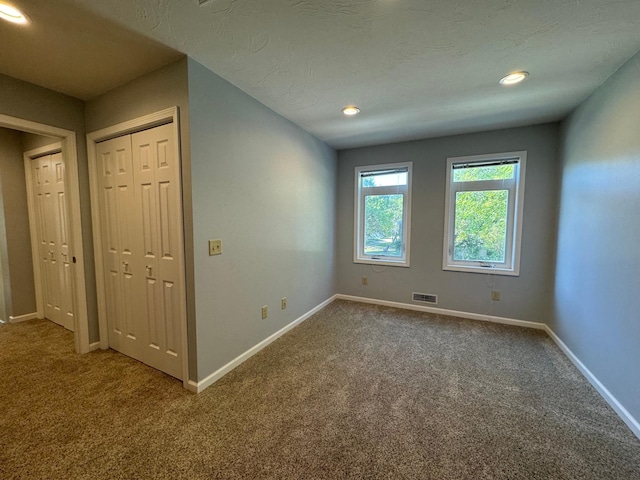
<point>215,247</point>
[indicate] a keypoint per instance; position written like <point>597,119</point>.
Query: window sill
<point>382,261</point>
<point>486,270</point>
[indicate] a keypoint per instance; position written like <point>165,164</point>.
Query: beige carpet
<point>356,391</point>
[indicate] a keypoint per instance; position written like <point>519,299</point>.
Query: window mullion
<point>482,185</point>
<point>390,190</point>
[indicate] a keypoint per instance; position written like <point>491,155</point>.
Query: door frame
<point>78,279</point>
<point>163,117</point>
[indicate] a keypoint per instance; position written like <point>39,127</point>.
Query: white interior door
<point>158,193</point>
<point>142,240</point>
<point>52,234</point>
<point>118,224</point>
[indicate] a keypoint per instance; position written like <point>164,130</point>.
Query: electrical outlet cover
<point>215,247</point>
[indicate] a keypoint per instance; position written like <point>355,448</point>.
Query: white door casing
<point>139,246</point>
<point>76,250</point>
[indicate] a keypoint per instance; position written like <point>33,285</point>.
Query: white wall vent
<point>425,297</point>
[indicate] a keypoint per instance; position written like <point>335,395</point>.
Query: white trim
<point>443,311</point>
<point>23,318</point>
<point>198,387</point>
<point>94,346</point>
<point>613,402</point>
<point>54,147</point>
<point>76,249</point>
<point>97,246</point>
<point>166,116</point>
<point>481,270</point>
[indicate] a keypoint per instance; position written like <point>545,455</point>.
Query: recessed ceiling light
<point>351,110</point>
<point>513,78</point>
<point>12,14</point>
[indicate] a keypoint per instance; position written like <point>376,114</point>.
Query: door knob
<point>149,270</point>
<point>126,266</point>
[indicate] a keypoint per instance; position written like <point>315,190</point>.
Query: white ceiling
<point>416,68</point>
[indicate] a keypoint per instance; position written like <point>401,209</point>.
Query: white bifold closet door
<point>141,224</point>
<point>52,237</point>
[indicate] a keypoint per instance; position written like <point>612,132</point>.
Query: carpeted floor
<point>356,391</point>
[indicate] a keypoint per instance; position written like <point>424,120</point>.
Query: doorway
<point>136,203</point>
<point>75,254</point>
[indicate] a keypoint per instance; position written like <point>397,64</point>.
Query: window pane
<point>385,180</point>
<point>492,172</point>
<point>383,225</point>
<point>481,226</point>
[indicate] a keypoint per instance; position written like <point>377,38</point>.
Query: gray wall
<point>527,297</point>
<point>19,287</point>
<point>31,141</point>
<point>265,188</point>
<point>597,285</point>
<point>160,89</point>
<point>164,88</point>
<point>30,102</point>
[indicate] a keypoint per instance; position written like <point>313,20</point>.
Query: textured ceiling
<point>416,68</point>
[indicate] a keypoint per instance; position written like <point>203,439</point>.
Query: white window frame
<point>360,192</point>
<point>515,209</point>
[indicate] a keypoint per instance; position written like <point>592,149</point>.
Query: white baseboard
<point>198,387</point>
<point>613,402</point>
<point>23,318</point>
<point>443,311</point>
<point>94,346</point>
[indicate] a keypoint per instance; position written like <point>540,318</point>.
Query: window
<point>483,214</point>
<point>383,210</point>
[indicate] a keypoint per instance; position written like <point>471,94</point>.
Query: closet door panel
<point>157,172</point>
<point>121,247</point>
<point>50,219</point>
